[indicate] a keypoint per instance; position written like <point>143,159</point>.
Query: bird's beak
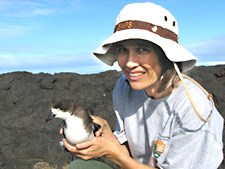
<point>50,116</point>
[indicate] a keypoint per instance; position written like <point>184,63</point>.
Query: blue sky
<point>55,36</point>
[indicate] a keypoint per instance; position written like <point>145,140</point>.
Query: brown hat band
<point>147,26</point>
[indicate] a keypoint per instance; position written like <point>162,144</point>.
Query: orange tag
<point>158,148</point>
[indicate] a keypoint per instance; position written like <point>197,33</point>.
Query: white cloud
<point>41,63</point>
<point>31,13</point>
<point>53,64</point>
<point>37,61</point>
<point>18,17</point>
<point>211,63</point>
<point>21,17</point>
<point>8,61</point>
<point>10,31</point>
<point>4,4</point>
<point>25,8</point>
<point>212,50</point>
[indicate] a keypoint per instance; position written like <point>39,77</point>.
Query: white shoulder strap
<point>210,97</point>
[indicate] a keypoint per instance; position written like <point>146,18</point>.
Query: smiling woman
<point>161,114</point>
<point>144,63</point>
<point>140,64</point>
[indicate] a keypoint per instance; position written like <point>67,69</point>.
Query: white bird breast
<point>75,132</point>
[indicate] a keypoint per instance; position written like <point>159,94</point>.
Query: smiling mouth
<point>136,74</point>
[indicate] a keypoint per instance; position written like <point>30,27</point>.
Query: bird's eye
<point>61,108</point>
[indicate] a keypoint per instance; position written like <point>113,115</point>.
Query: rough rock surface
<point>25,137</point>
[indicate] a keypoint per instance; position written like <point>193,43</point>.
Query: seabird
<point>78,125</point>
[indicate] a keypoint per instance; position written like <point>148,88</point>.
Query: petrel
<point>78,125</point>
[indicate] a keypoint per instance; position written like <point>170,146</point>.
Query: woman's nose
<point>132,60</point>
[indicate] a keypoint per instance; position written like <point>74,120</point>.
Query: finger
<point>96,119</point>
<point>61,131</point>
<point>98,133</point>
<point>84,157</point>
<point>84,145</point>
<point>68,146</point>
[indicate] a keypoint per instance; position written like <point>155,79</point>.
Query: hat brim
<point>174,51</point>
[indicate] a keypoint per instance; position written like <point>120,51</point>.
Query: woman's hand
<point>105,130</point>
<point>101,145</point>
<point>87,150</point>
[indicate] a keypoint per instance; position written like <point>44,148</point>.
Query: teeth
<point>135,74</point>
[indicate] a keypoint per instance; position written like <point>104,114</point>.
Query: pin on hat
<point>149,22</point>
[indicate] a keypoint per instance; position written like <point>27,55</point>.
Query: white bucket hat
<point>149,22</point>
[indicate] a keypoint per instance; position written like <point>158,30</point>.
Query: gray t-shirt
<point>166,133</point>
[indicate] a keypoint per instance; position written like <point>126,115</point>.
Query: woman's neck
<point>155,92</point>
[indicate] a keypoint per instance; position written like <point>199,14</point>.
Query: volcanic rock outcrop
<point>26,139</point>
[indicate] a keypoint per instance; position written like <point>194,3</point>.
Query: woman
<point>165,119</point>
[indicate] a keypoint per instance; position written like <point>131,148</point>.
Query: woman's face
<point>139,61</point>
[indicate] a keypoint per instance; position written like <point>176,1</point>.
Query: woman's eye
<point>143,50</point>
<point>121,51</point>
